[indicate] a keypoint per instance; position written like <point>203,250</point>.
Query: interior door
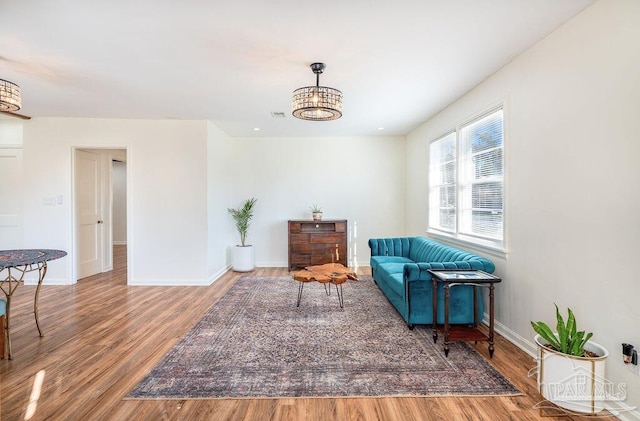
<point>88,202</point>
<point>11,187</point>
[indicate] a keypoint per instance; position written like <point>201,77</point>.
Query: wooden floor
<point>102,337</point>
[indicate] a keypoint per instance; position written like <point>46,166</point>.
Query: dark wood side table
<point>454,277</point>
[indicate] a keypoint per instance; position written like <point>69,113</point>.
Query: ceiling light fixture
<point>10,99</point>
<point>317,103</point>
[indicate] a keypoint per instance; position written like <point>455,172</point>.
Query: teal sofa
<point>400,269</point>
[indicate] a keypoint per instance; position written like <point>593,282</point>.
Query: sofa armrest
<point>419,271</point>
<point>389,246</point>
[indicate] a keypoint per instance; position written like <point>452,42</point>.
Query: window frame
<point>493,246</point>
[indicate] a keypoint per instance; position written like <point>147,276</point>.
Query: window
<point>466,182</point>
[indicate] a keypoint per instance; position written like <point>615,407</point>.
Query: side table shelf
<point>454,277</point>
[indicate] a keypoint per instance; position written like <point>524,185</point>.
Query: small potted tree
<point>316,212</point>
<point>242,256</point>
<point>571,367</point>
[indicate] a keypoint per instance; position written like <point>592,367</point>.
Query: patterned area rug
<point>256,343</point>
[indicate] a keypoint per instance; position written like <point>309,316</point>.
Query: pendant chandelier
<point>10,99</point>
<point>317,103</point>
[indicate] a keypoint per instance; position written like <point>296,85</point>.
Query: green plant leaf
<point>545,333</point>
<point>584,342</point>
<point>242,216</point>
<point>571,324</point>
<point>562,331</point>
<point>576,347</point>
<point>569,340</point>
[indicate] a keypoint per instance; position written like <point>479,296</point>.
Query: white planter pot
<point>242,259</point>
<point>574,383</point>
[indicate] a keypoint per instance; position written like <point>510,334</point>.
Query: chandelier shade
<point>317,103</point>
<point>10,98</point>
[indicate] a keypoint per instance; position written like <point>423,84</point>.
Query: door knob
<point>100,222</point>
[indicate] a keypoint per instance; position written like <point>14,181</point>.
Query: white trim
<point>628,413</point>
<point>47,281</point>
<point>74,219</point>
<point>272,264</point>
<point>523,343</point>
<point>171,282</point>
<point>128,210</point>
<point>219,274</point>
<point>73,215</point>
<point>494,247</point>
<point>468,245</point>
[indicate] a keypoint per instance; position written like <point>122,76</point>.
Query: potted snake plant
<point>243,256</point>
<point>571,367</point>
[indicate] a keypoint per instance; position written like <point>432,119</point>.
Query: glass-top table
<point>16,263</point>
<point>453,277</point>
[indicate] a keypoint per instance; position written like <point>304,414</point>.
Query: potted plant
<point>570,366</point>
<point>242,258</point>
<point>316,211</point>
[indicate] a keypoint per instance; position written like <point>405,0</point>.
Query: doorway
<point>100,209</point>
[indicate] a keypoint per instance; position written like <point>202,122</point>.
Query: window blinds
<point>466,180</point>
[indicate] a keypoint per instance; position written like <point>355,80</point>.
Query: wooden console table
<point>455,277</point>
<point>314,243</point>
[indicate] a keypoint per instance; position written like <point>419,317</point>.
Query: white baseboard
<point>218,274</point>
<point>272,264</point>
<point>623,411</point>
<point>170,282</point>
<point>522,343</point>
<point>49,281</point>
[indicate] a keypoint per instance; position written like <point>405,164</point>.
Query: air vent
<point>277,114</point>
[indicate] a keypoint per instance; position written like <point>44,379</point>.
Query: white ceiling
<point>236,61</point>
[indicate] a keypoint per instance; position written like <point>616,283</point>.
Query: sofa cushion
<point>376,261</point>
<point>424,250</point>
<point>395,282</point>
<point>390,246</point>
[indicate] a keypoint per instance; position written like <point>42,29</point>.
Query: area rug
<point>255,343</point>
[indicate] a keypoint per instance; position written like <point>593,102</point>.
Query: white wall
<point>167,190</point>
<point>119,178</point>
<point>223,167</point>
<point>353,178</point>
<point>573,183</point>
<point>182,177</point>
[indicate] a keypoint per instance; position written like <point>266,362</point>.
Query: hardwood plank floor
<point>102,337</point>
